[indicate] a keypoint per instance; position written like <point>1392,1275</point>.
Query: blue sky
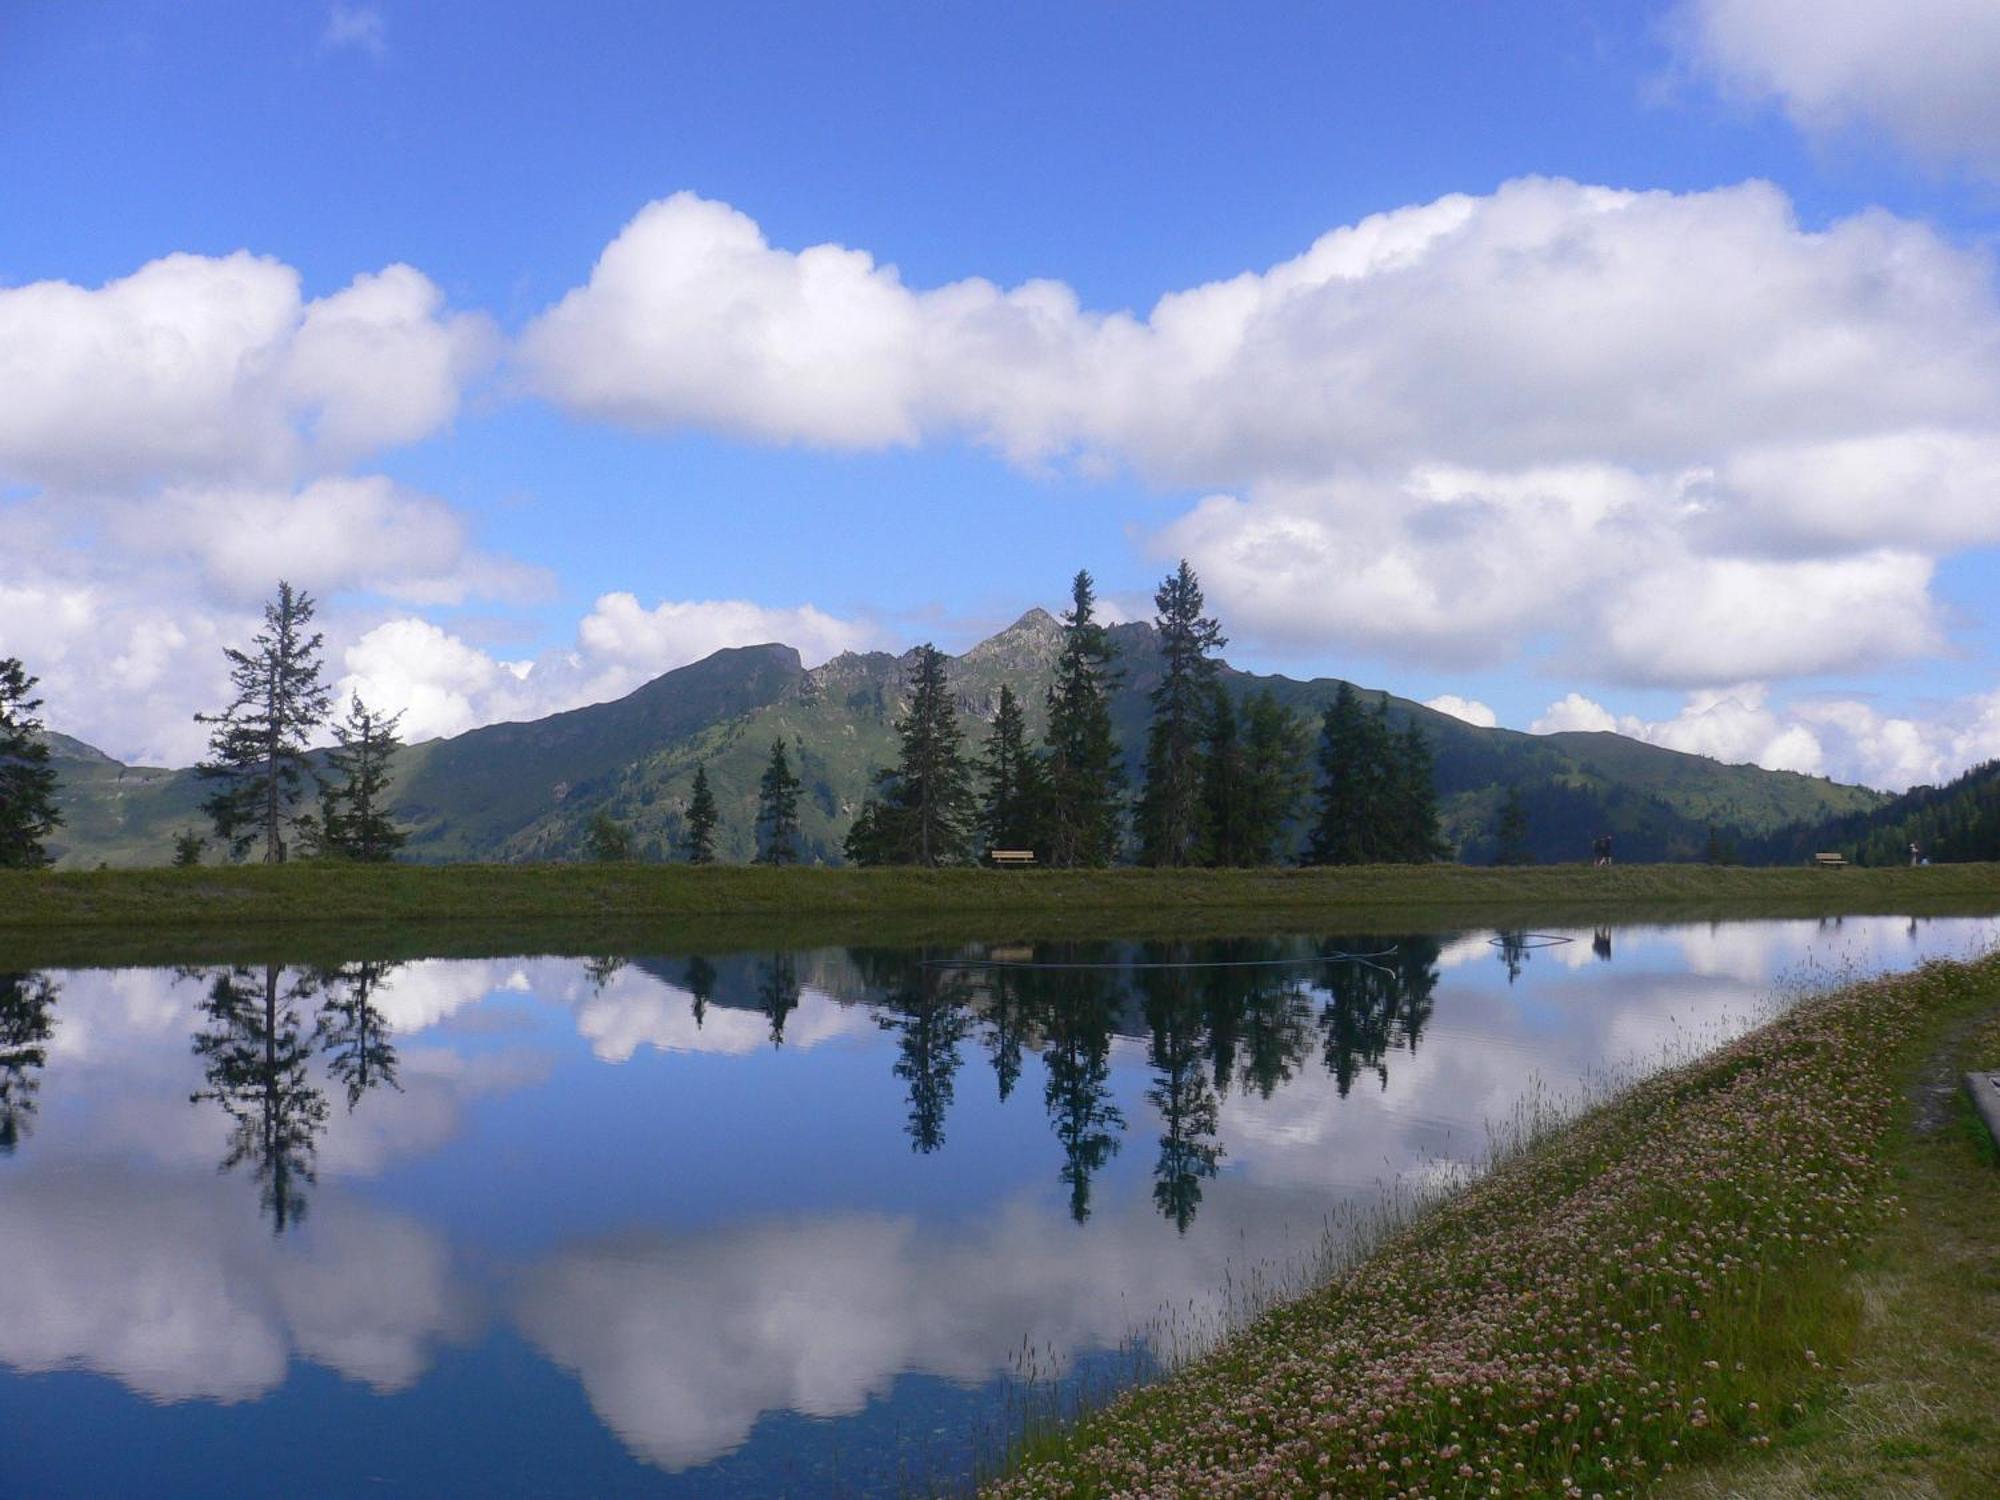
<point>1706,461</point>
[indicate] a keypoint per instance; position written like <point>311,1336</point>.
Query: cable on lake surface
<point>1213,963</point>
<point>1522,940</point>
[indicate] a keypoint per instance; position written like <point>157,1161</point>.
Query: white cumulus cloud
<point>1921,71</point>
<point>1469,709</point>
<point>216,366</point>
<point>1845,738</point>
<point>1446,431</point>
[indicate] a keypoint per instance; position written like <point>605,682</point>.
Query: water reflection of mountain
<point>1215,1017</point>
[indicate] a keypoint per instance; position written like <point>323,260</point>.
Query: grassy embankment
<point>222,912</point>
<point>1705,1283</point>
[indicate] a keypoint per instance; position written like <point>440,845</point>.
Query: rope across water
<point>1216,963</point>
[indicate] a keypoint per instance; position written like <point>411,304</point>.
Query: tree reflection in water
<point>257,1052</point>
<point>1374,1004</point>
<point>1215,1016</point>
<point>930,1015</point>
<point>1182,1093</point>
<point>778,992</point>
<point>700,982</point>
<point>1077,1009</point>
<point>1007,1021</point>
<point>257,1055</point>
<point>27,1005</point>
<point>360,1049</point>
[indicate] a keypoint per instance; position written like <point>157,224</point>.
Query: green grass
<point>1916,1410</point>
<point>332,912</point>
<point>312,892</point>
<point>1679,1278</point>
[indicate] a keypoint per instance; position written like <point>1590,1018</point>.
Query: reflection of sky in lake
<point>601,1235</point>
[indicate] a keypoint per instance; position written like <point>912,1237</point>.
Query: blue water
<point>739,1224</point>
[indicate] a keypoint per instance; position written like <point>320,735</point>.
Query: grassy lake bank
<point>245,913</point>
<point>1692,1276</point>
<point>329,892</point>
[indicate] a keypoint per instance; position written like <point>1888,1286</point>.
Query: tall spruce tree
<point>702,818</point>
<point>1377,792</point>
<point>354,810</point>
<point>1380,836</point>
<point>257,747</point>
<point>1086,777</point>
<point>28,812</point>
<point>778,810</point>
<point>1170,807</point>
<point>922,813</point>
<point>1275,775</point>
<point>1224,786</point>
<point>1337,833</point>
<point>1010,814</point>
<point>1413,837</point>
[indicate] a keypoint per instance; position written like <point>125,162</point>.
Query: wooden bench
<point>1011,859</point>
<point>1829,861</point>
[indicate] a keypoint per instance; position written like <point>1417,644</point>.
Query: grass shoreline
<point>1674,1279</point>
<point>307,892</point>
<point>333,913</point>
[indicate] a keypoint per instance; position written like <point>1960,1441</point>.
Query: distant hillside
<point>528,791</point>
<point>1957,821</point>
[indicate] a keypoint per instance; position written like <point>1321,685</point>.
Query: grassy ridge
<point>1668,1280</point>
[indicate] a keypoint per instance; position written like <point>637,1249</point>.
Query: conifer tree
<point>1511,831</point>
<point>933,783</point>
<point>922,813</point>
<point>778,810</point>
<point>28,812</point>
<point>1010,814</point>
<point>1275,775</point>
<point>1225,790</point>
<point>354,811</point>
<point>1086,777</point>
<point>1170,807</point>
<point>701,820</point>
<point>257,747</point>
<point>1413,836</point>
<point>1336,836</point>
<point>1380,829</point>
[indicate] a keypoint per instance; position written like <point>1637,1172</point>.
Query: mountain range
<point>528,791</point>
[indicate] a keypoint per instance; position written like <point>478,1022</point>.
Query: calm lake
<point>724,1223</point>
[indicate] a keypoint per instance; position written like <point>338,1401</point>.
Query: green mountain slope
<point>529,791</point>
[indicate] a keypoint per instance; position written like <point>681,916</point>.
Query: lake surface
<point>771,1223</point>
